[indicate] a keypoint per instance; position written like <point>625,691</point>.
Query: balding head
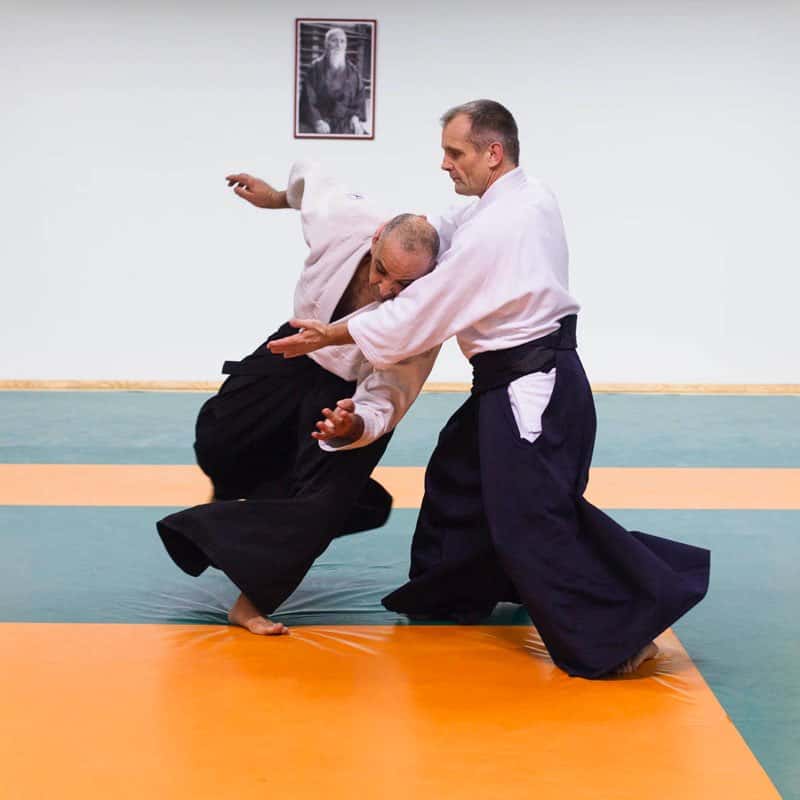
<point>415,235</point>
<point>404,249</point>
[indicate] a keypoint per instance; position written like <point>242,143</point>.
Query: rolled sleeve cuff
<point>372,431</point>
<point>296,184</point>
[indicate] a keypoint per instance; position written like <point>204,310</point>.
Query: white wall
<point>669,132</point>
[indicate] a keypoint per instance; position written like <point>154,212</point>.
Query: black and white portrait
<point>335,78</point>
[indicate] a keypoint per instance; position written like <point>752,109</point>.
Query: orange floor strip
<point>610,487</point>
<point>383,713</point>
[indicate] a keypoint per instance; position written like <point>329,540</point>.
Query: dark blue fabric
<point>504,519</point>
<point>281,499</point>
<point>494,368</point>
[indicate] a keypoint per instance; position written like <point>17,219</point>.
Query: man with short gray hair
<point>504,517</point>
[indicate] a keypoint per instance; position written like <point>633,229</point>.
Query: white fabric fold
<point>338,226</point>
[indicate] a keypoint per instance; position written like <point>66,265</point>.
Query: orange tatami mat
<point>609,487</point>
<point>149,711</point>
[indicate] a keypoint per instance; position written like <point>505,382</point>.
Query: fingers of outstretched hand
<point>283,346</point>
<point>290,346</point>
<point>302,324</point>
<point>324,432</point>
<point>347,404</point>
<point>337,423</point>
<point>239,178</point>
<point>310,338</point>
<point>340,419</point>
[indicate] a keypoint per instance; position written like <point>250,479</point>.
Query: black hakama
<point>504,519</point>
<point>253,439</point>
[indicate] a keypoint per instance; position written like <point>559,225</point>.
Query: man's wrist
<point>338,334</point>
<point>358,428</point>
<point>356,432</point>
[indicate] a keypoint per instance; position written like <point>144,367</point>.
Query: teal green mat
<point>633,430</point>
<point>108,565</point>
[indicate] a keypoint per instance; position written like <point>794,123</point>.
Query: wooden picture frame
<point>334,78</point>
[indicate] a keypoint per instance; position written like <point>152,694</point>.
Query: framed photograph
<point>334,78</point>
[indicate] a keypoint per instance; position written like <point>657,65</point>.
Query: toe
<point>275,628</point>
<point>260,626</point>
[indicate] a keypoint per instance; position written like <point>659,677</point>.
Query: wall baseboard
<point>698,388</point>
<point>212,386</point>
<point>110,386</point>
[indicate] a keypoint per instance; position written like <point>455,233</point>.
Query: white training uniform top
<point>338,227</point>
<point>502,281</point>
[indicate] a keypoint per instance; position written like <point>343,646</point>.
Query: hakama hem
<point>253,441</point>
<point>504,518</point>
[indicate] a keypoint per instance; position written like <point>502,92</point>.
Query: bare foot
<point>244,613</point>
<point>632,664</point>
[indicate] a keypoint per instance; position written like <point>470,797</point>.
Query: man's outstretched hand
<point>313,335</point>
<point>256,191</point>
<point>341,423</point>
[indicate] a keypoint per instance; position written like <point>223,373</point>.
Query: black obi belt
<point>494,368</point>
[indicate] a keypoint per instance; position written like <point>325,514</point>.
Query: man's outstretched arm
<point>313,336</point>
<point>458,293</point>
<point>257,192</point>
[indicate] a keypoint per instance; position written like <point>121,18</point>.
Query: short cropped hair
<point>413,233</point>
<point>490,122</point>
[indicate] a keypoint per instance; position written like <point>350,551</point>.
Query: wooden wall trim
<point>211,386</point>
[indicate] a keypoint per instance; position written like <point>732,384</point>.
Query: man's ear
<point>378,234</point>
<point>495,154</point>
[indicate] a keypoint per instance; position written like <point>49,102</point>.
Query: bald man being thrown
<point>286,482</point>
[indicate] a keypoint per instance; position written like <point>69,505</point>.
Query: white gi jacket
<point>501,281</point>
<point>338,227</point>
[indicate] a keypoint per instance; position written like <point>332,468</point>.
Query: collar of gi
<point>506,183</point>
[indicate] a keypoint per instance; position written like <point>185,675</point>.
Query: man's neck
<point>358,293</point>
<point>496,174</point>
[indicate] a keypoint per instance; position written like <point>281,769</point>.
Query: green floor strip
<point>633,430</point>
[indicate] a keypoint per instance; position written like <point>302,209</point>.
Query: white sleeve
<point>447,223</point>
<point>474,278</point>
<point>383,396</point>
<point>324,203</point>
